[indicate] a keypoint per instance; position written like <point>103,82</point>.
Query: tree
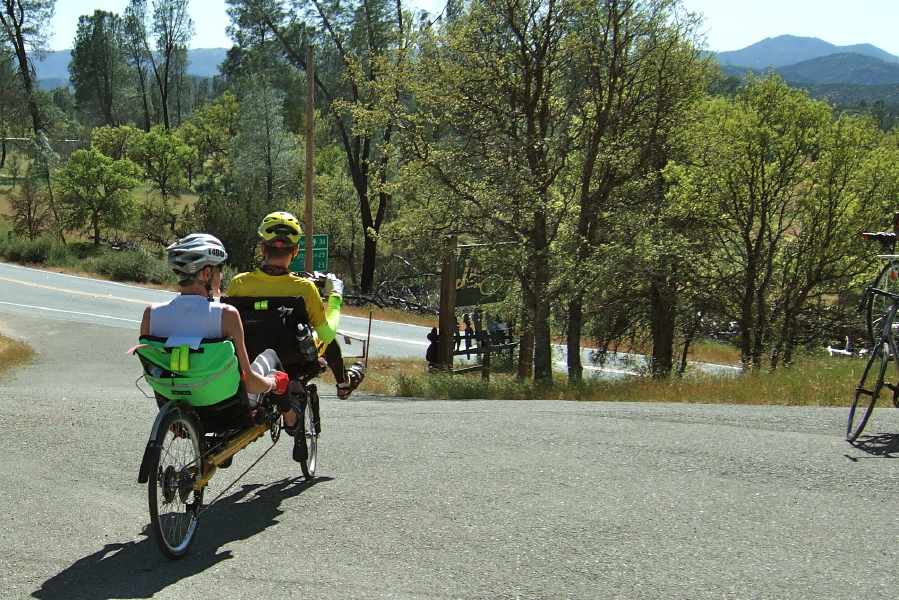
<point>140,57</point>
<point>637,73</point>
<point>31,214</point>
<point>173,29</point>
<point>498,84</point>
<point>164,158</point>
<point>13,104</point>
<point>25,25</point>
<point>95,190</point>
<point>210,131</point>
<point>265,156</point>
<point>170,29</point>
<point>99,68</point>
<point>359,46</point>
<point>257,171</point>
<point>779,187</point>
<point>852,184</point>
<point>116,142</point>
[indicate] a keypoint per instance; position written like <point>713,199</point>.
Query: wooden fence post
<point>485,362</point>
<point>448,326</point>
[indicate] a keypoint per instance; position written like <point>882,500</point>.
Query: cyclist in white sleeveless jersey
<point>197,261</point>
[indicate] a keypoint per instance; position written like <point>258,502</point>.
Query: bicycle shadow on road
<point>883,444</point>
<point>137,569</point>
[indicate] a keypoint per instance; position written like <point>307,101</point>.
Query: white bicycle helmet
<point>191,254</point>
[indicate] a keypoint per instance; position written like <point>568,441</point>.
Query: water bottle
<point>303,334</point>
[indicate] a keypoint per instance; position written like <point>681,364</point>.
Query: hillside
<point>847,68</point>
<point>842,68</point>
<point>855,95</point>
<point>790,49</point>
<point>53,70</point>
<point>844,76</point>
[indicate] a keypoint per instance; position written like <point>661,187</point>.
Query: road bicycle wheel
<point>868,390</point>
<point>879,306</point>
<point>312,427</point>
<point>174,504</point>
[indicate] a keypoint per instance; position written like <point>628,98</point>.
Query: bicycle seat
<point>207,378</point>
<point>272,323</point>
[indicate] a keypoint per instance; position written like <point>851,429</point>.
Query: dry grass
<point>714,352</point>
<point>815,381</point>
<point>13,353</point>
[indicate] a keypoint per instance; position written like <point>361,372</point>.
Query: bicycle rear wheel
<point>311,427</point>
<point>878,306</point>
<point>174,504</point>
<point>868,390</point>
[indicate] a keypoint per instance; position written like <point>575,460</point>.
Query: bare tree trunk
<point>575,331</point>
<point>543,359</point>
<point>663,313</point>
<point>526,351</point>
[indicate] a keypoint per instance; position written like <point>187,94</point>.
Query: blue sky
<point>732,25</point>
<point>729,25</point>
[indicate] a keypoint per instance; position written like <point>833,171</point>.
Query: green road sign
<point>319,254</point>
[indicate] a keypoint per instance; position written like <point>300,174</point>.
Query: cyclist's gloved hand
<point>281,381</point>
<point>333,285</point>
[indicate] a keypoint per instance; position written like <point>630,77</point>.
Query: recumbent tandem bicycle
<point>206,415</point>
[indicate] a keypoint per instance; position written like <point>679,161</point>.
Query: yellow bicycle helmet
<point>280,230</point>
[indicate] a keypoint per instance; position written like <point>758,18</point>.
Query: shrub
<point>43,251</point>
<point>11,248</point>
<point>40,251</point>
<point>84,250</point>
<point>138,266</point>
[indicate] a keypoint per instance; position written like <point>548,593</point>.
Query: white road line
<point>71,312</point>
<point>362,336</point>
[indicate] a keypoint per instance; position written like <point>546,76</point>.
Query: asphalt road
<point>442,499</point>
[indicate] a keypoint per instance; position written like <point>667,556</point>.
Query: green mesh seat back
<point>200,377</point>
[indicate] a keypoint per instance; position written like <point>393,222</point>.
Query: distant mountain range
<point>790,49</point>
<point>858,76</point>
<point>851,73</point>
<point>53,71</point>
<point>811,61</point>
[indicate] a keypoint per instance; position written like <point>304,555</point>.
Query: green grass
<point>814,381</point>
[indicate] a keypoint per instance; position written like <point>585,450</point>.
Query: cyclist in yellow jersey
<point>280,234</point>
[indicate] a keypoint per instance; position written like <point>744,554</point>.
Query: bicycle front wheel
<point>174,504</point>
<point>868,390</point>
<point>879,306</point>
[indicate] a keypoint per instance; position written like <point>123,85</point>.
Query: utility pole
<point>310,96</point>
<point>447,319</point>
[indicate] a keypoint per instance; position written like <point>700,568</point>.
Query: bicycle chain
<point>239,477</point>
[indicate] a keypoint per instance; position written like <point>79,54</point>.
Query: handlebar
<point>887,240</point>
<point>879,292</point>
